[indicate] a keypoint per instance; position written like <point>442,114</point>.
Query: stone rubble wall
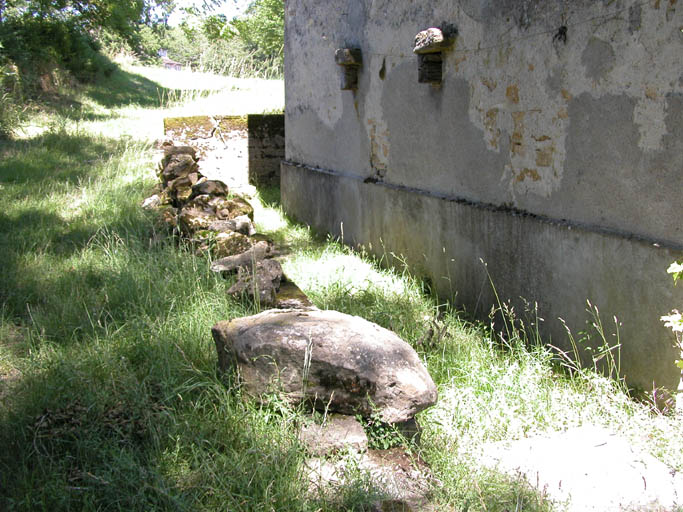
<point>254,143</point>
<point>328,360</point>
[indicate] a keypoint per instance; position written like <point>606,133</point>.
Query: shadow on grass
<point>124,88</point>
<point>50,158</point>
<point>108,429</point>
<point>41,179</point>
<point>118,406</point>
<point>121,89</point>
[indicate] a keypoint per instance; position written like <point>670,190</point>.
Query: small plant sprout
<point>307,363</point>
<point>381,435</point>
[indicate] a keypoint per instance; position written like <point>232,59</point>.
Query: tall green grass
<point>118,404</point>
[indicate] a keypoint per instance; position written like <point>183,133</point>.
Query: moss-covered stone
<point>203,202</point>
<point>230,208</point>
<point>170,151</point>
<point>170,216</point>
<point>185,128</point>
<point>192,219</point>
<point>183,194</point>
<point>178,165</point>
<point>232,123</point>
<point>165,197</point>
<point>290,296</point>
<point>228,244</point>
<point>210,187</point>
<point>266,125</point>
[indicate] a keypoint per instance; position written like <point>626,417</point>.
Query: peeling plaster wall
<point>584,130</point>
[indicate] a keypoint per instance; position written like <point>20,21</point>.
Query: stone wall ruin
<point>255,142</point>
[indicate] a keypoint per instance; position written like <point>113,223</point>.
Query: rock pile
<point>342,365</point>
<point>204,212</point>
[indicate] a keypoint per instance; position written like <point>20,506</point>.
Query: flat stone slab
<point>403,482</point>
<point>590,469</point>
<point>290,296</point>
<point>338,432</point>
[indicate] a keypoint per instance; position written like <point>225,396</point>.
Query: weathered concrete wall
<point>557,159</point>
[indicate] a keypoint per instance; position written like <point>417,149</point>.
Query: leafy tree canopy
<point>42,38</point>
<point>122,17</point>
<point>262,28</point>
<point>253,42</point>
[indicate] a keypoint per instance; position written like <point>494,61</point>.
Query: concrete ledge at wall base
<point>555,264</point>
<point>262,135</point>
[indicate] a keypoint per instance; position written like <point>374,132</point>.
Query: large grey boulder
<point>337,361</point>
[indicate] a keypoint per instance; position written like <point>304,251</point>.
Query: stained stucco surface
<point>522,117</point>
<point>542,133</point>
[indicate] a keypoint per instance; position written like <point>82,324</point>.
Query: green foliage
<point>122,17</point>
<point>676,270</point>
<point>38,46</point>
<point>46,38</point>
<point>674,320</point>
<point>145,48</point>
<point>262,28</point>
<point>381,435</point>
<point>251,45</point>
<point>184,44</point>
<point>192,47</point>
<point>10,97</point>
<point>149,44</point>
<point>10,115</point>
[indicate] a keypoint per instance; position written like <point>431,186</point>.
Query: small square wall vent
<point>350,59</point>
<point>429,46</point>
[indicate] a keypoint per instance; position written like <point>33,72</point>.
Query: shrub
<point>39,46</point>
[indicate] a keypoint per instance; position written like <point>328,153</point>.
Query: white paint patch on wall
<point>649,115</point>
<point>645,63</point>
